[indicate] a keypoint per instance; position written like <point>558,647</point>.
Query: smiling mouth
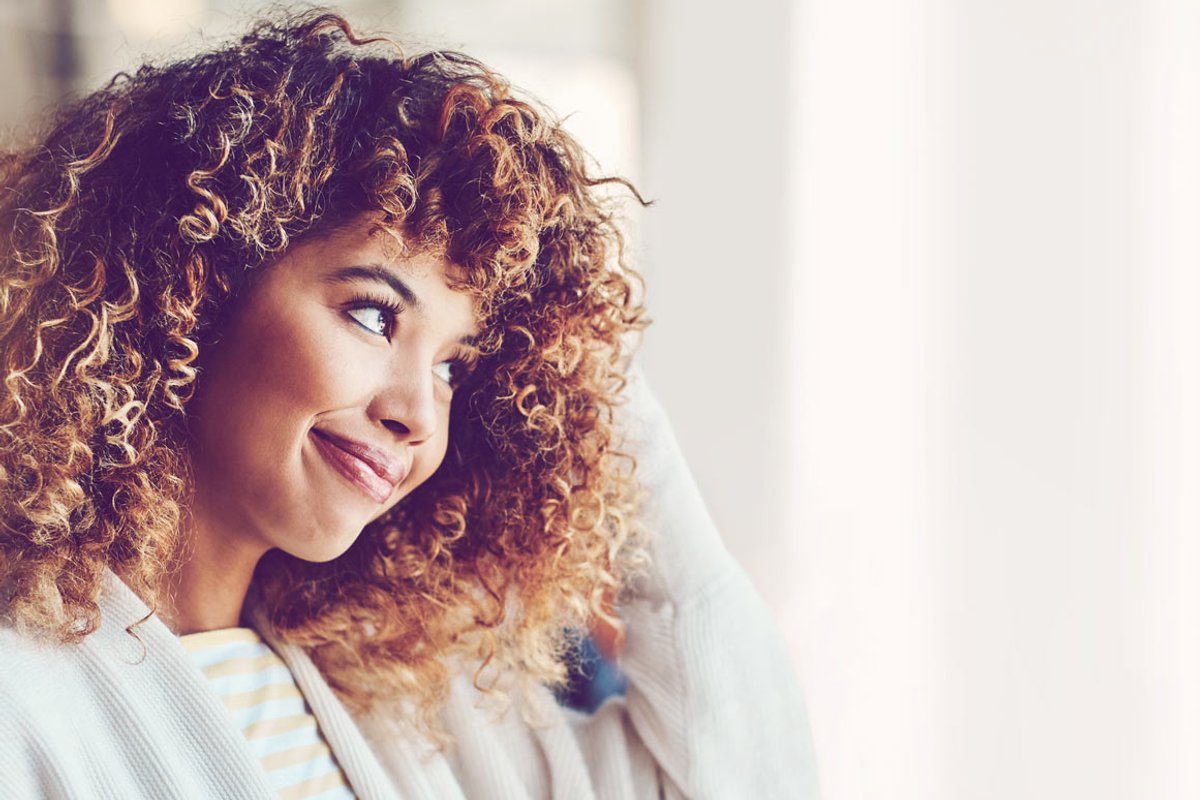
<point>354,469</point>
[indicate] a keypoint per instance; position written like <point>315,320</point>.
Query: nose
<point>406,405</point>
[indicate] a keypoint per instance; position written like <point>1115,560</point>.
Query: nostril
<point>396,426</point>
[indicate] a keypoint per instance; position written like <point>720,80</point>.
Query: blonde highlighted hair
<point>128,232</point>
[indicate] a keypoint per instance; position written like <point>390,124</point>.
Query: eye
<point>446,370</point>
<point>376,316</point>
<point>453,371</point>
<point>373,319</point>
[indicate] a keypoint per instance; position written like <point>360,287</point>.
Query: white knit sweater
<point>712,708</point>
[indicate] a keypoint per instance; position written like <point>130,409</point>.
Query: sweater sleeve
<point>712,698</point>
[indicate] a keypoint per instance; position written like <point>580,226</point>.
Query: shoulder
<point>43,707</point>
<point>61,687</point>
<point>25,657</point>
<point>40,677</point>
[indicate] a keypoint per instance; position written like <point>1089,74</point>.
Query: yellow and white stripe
<point>258,689</point>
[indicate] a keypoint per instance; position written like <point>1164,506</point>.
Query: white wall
<point>715,158</point>
<point>995,357</point>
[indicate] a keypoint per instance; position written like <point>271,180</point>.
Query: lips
<point>374,471</point>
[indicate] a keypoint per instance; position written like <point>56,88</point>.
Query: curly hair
<point>131,228</point>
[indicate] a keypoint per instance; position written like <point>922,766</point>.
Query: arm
<point>712,695</point>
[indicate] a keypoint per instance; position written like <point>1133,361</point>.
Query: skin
<point>301,357</point>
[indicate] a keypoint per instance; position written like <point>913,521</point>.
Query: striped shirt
<point>258,689</point>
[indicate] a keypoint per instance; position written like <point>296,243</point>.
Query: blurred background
<point>927,300</point>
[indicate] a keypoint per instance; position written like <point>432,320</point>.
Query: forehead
<point>366,239</point>
<point>365,253</point>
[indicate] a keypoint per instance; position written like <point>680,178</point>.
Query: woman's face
<point>327,399</point>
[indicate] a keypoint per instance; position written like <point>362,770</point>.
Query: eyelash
<point>462,361</point>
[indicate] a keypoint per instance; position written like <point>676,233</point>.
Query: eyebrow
<point>381,274</point>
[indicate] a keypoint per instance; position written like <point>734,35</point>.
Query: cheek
<point>275,376</point>
<point>301,370</point>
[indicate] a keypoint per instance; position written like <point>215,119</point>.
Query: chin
<point>322,547</point>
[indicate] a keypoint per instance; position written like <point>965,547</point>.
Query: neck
<point>207,589</point>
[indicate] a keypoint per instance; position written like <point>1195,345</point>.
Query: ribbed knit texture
<point>712,709</point>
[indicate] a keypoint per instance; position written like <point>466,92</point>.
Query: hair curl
<point>129,231</point>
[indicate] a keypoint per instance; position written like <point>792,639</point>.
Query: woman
<point>319,352</point>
